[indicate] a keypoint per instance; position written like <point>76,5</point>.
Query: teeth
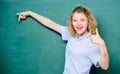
<point>79,28</point>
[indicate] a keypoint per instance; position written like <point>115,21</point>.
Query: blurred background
<point>27,47</point>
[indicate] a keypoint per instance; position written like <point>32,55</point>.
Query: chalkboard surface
<point>30,48</point>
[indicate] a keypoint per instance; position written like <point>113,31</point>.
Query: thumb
<point>97,33</point>
<point>18,17</point>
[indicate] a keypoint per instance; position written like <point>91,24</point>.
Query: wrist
<point>102,43</point>
<point>29,13</point>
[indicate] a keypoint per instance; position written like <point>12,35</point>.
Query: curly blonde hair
<point>92,24</point>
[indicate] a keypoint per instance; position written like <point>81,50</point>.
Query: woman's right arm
<point>43,20</point>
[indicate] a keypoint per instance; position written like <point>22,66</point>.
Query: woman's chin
<point>81,33</point>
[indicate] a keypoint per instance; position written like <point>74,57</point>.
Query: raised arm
<point>104,60</point>
<point>43,20</point>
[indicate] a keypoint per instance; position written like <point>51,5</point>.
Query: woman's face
<point>80,23</point>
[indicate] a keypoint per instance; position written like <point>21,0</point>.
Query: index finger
<point>18,13</point>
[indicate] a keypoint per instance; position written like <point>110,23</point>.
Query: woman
<point>84,47</point>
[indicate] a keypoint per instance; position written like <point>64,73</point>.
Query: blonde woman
<point>84,46</point>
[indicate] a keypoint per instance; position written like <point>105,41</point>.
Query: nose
<point>78,22</point>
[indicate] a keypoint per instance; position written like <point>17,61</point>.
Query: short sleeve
<point>65,33</point>
<point>95,55</point>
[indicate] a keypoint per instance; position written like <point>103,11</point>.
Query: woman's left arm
<point>104,60</point>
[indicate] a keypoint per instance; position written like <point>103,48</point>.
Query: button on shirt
<point>81,54</point>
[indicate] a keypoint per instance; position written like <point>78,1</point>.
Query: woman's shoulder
<point>65,33</point>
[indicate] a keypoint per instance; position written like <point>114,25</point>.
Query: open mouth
<point>79,28</point>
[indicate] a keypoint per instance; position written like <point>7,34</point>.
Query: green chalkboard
<point>30,48</point>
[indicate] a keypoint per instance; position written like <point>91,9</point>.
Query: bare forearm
<point>104,61</point>
<point>45,21</point>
